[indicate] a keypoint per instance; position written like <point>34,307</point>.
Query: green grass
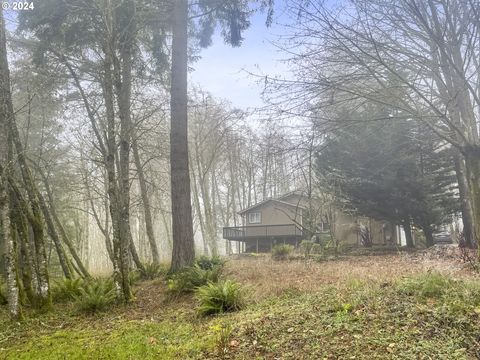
<point>126,340</point>
<point>424,317</point>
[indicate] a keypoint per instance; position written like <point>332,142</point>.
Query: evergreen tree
<point>390,170</point>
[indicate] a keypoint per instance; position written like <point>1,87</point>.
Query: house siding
<point>274,213</point>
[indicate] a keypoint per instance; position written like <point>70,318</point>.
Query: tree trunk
<point>183,253</point>
<point>37,225</point>
<point>147,213</point>
<point>61,230</point>
<point>62,256</point>
<point>428,232</point>
<point>472,162</point>
<point>408,233</point>
<point>25,258</point>
<point>120,245</point>
<point>465,201</point>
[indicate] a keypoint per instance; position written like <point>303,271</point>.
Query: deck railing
<point>241,233</point>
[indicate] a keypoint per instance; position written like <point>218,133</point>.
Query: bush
<point>206,263</point>
<point>281,252</point>
<point>96,295</point>
<point>220,297</point>
<point>190,278</point>
<point>67,289</point>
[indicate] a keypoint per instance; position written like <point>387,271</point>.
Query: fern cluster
<point>216,298</point>
<point>207,263</point>
<point>281,251</point>
<point>67,289</point>
<point>96,295</point>
<point>152,271</point>
<point>190,278</point>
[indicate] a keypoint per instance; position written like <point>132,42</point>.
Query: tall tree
<point>6,233</point>
<point>182,224</point>
<point>233,16</point>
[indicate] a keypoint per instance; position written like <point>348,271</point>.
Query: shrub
<point>206,263</point>
<point>220,297</point>
<point>190,278</point>
<point>96,295</point>
<point>67,289</point>
<point>153,271</point>
<point>281,252</point>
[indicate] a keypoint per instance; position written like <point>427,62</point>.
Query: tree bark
<point>183,253</point>
<point>120,245</point>
<point>37,225</point>
<point>472,162</point>
<point>25,255</point>
<point>465,201</point>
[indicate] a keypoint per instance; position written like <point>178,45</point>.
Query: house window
<point>255,218</point>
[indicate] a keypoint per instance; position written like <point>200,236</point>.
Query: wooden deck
<point>263,232</point>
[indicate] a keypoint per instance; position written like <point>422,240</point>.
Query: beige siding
<point>274,213</point>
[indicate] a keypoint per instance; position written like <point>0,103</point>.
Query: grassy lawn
<point>387,307</point>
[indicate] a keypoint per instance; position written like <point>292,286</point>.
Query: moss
<point>133,339</point>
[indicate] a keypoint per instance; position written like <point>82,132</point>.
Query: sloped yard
<point>384,307</point>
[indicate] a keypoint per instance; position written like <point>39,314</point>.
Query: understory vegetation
<point>381,308</point>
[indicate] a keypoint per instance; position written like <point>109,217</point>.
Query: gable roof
<point>271,200</point>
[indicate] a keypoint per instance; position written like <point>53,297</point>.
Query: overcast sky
<point>222,70</point>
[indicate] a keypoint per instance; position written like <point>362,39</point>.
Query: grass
<point>363,308</point>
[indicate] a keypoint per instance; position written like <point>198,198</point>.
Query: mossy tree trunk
<point>6,229</point>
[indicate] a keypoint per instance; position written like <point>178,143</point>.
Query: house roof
<point>271,200</point>
<point>294,192</point>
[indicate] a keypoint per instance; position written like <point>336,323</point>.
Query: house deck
<point>259,238</point>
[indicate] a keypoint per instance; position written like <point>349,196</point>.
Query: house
<point>283,220</point>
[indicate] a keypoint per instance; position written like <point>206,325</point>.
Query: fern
<point>67,289</point>
<point>188,279</point>
<point>220,297</point>
<point>206,263</point>
<point>96,296</point>
<point>153,271</point>
<point>281,252</point>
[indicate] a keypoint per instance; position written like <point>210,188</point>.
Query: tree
<point>6,233</point>
<point>233,15</point>
<point>390,170</point>
<point>182,225</point>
